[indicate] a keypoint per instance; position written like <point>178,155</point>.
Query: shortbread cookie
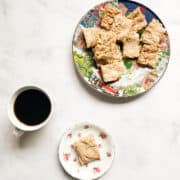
<point>153,33</point>
<point>106,50</point>
<point>90,35</point>
<point>107,19</point>
<point>131,47</point>
<point>121,26</point>
<point>87,150</point>
<point>138,18</point>
<point>112,72</point>
<point>148,55</point>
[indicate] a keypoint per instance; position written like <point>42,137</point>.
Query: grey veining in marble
<point>35,48</point>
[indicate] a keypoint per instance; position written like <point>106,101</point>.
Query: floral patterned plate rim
<point>68,157</point>
<point>136,80</point>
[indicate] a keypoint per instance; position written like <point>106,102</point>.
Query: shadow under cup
<point>30,108</point>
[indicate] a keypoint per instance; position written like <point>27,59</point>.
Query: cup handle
<point>17,132</point>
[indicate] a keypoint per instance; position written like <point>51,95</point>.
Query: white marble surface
<point>35,48</point>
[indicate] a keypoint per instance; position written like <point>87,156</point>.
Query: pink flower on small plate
<point>103,135</point>
<point>79,135</point>
<point>99,145</point>
<point>69,135</point>
<point>108,154</point>
<point>72,146</point>
<point>96,170</point>
<point>66,156</point>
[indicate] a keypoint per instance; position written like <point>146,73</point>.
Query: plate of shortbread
<point>121,49</point>
<point>86,151</point>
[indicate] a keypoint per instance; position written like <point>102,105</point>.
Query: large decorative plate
<point>136,80</point>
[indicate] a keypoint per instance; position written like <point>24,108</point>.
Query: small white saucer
<point>69,160</point>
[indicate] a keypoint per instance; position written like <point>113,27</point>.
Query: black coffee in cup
<point>32,107</point>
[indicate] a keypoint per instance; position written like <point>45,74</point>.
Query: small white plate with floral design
<point>68,157</point>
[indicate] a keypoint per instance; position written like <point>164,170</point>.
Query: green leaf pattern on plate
<point>128,63</point>
<point>84,63</point>
<point>163,54</point>
<point>132,90</point>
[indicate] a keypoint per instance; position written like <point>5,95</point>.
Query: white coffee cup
<point>19,127</point>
